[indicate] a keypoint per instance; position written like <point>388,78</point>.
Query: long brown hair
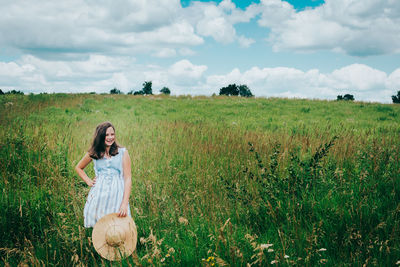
<point>98,148</point>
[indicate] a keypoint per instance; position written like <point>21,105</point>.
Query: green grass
<point>214,180</point>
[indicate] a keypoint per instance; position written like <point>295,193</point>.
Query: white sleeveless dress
<point>106,195</point>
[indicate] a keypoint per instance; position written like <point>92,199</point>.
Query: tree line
<point>146,90</point>
<point>230,90</point>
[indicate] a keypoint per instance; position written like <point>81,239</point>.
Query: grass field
<point>216,180</point>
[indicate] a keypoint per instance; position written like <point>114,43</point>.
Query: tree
<point>165,91</point>
<point>14,92</point>
<point>396,98</point>
<point>1,92</point>
<point>147,88</point>
<point>245,91</point>
<point>231,89</point>
<point>138,92</point>
<point>115,91</point>
<point>346,97</point>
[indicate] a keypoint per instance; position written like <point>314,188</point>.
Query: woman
<point>111,186</point>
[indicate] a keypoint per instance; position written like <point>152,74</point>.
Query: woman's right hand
<point>92,182</point>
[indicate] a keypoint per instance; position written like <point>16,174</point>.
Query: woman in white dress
<point>111,186</point>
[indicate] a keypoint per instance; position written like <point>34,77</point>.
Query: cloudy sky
<point>281,48</point>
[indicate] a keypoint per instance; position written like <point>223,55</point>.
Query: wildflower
<point>286,257</point>
<point>163,259</point>
<point>76,258</point>
<point>265,246</point>
<point>322,249</point>
<point>183,221</point>
<point>398,263</point>
<point>167,255</point>
<point>210,259</point>
<point>270,250</point>
<point>274,262</point>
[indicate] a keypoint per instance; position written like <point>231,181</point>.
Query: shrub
<point>147,90</point>
<point>115,91</point>
<point>233,89</point>
<point>138,92</point>
<point>396,98</point>
<point>346,97</point>
<point>244,91</point>
<point>165,91</point>
<point>13,92</point>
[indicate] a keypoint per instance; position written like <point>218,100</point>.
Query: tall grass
<point>216,181</point>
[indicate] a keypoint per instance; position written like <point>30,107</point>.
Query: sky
<point>310,49</point>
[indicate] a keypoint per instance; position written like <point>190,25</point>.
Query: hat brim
<point>126,224</point>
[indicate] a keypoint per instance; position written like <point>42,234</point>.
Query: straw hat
<point>114,237</point>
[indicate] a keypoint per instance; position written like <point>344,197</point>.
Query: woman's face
<point>110,136</point>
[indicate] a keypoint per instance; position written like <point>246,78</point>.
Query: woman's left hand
<point>123,210</point>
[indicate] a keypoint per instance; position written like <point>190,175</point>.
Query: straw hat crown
<point>114,237</point>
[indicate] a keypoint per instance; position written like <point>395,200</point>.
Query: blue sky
<point>297,4</point>
<point>296,49</point>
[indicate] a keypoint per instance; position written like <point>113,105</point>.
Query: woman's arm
<point>126,165</point>
<point>82,165</point>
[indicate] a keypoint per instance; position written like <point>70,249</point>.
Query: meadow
<point>217,181</point>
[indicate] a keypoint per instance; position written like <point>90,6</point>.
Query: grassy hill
<point>221,180</point>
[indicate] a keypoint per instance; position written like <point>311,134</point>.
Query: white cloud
<point>51,29</point>
<point>186,51</point>
<point>32,74</point>
<point>68,29</point>
<point>165,52</point>
<point>214,24</point>
<point>364,82</point>
<point>359,77</point>
<point>95,64</point>
<point>393,81</point>
<point>245,42</point>
<point>179,33</point>
<point>218,21</point>
<point>274,13</point>
<point>186,68</point>
<point>98,73</point>
<point>358,28</point>
<point>185,73</point>
<point>101,73</point>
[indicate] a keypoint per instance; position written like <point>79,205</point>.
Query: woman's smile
<point>110,141</point>
<point>110,136</point>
